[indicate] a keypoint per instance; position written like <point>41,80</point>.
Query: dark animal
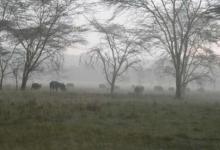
<point>35,86</point>
<point>102,86</point>
<point>117,87</point>
<point>201,90</point>
<point>171,89</point>
<point>158,89</point>
<point>187,90</point>
<point>139,90</point>
<point>55,86</point>
<point>70,85</point>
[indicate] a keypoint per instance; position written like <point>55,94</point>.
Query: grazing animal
<point>171,89</point>
<point>117,87</point>
<point>188,90</point>
<point>54,85</point>
<point>139,90</point>
<point>102,86</point>
<point>201,90</point>
<point>35,86</point>
<point>70,85</point>
<point>158,89</point>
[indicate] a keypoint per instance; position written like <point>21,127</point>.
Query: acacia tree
<point>183,30</point>
<point>16,64</point>
<point>7,47</point>
<point>43,30</point>
<point>117,52</point>
<point>5,60</point>
<point>15,72</point>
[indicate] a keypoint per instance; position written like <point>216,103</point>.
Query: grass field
<point>68,121</point>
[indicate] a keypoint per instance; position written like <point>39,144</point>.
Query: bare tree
<point>5,60</point>
<point>7,47</point>
<point>181,28</point>
<point>16,69</point>
<point>117,52</point>
<point>43,29</point>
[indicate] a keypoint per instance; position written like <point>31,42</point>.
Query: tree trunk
<point>1,86</point>
<point>112,89</point>
<point>178,87</point>
<point>24,83</point>
<point>184,90</point>
<point>113,86</point>
<point>16,83</point>
<point>1,82</point>
<point>24,80</point>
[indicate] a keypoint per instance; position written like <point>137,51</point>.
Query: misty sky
<point>102,14</point>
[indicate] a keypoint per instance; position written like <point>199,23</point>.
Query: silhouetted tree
<point>5,60</point>
<point>117,52</point>
<point>43,30</point>
<point>183,30</point>
<point>7,46</point>
<point>16,69</point>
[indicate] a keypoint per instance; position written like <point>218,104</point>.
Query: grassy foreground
<point>67,121</point>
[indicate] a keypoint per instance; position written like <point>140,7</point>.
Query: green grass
<point>68,121</point>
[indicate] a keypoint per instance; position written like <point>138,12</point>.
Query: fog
<point>109,74</point>
<point>75,71</point>
<point>85,76</point>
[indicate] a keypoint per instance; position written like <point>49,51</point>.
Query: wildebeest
<point>102,86</point>
<point>158,89</point>
<point>201,90</point>
<point>188,90</point>
<point>139,90</point>
<point>54,85</point>
<point>117,87</point>
<point>70,85</point>
<point>171,89</point>
<point>35,86</point>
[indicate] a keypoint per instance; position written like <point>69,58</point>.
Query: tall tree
<point>183,30</point>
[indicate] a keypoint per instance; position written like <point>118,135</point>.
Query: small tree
<point>117,52</point>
